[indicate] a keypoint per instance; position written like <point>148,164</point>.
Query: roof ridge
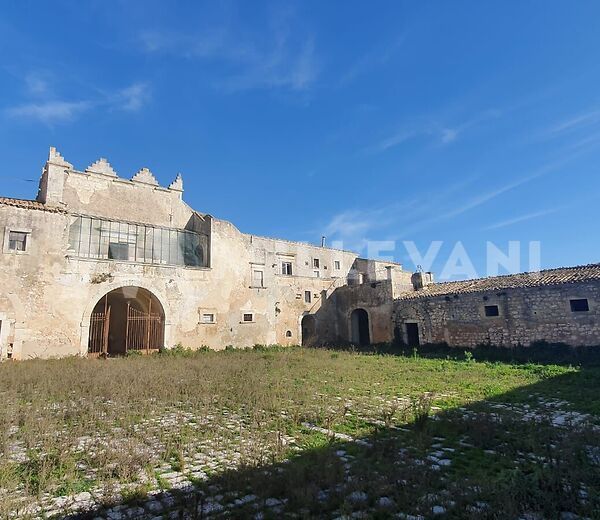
<point>523,273</point>
<point>545,277</point>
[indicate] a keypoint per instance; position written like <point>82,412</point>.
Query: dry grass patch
<point>266,424</point>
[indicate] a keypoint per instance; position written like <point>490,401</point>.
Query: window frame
<point>24,231</point>
<point>307,296</point>
<point>212,321</point>
<point>577,301</point>
<point>283,269</point>
<point>491,306</point>
<point>337,265</point>
<point>316,263</point>
<point>91,238</point>
<point>248,313</point>
<point>253,284</point>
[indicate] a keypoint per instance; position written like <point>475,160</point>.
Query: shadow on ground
<point>523,454</point>
<point>540,352</point>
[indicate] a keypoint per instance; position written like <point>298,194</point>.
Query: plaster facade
<point>242,289</point>
<point>92,238</point>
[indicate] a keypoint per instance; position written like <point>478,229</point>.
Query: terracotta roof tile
<point>29,204</point>
<point>558,276</point>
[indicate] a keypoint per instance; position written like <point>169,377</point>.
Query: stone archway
<point>126,319</point>
<point>359,327</point>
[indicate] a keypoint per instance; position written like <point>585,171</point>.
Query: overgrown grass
<point>75,425</point>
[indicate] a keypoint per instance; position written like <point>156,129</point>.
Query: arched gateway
<point>126,319</point>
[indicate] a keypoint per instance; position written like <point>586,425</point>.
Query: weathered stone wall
<point>525,315</point>
<point>333,320</point>
<point>48,294</point>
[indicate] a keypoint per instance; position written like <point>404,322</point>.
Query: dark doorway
<point>126,319</point>
<point>412,334</point>
<point>359,323</point>
<point>308,330</point>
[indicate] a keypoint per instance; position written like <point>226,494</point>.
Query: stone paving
<point>169,489</point>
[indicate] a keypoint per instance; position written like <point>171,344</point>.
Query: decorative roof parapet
<point>145,176</point>
<point>54,157</point>
<point>177,184</point>
<point>103,167</point>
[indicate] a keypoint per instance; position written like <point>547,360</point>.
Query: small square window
<point>307,296</point>
<point>248,317</point>
<point>336,265</point>
<point>286,268</point>
<point>118,251</point>
<point>17,241</point>
<point>316,264</point>
<point>208,318</point>
<point>317,274</point>
<point>492,310</point>
<point>257,278</point>
<point>579,305</point>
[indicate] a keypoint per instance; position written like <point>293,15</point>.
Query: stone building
<point>99,264</point>
<point>555,305</point>
<point>102,265</point>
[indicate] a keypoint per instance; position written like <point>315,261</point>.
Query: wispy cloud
<point>522,218</point>
<point>403,220</point>
<point>37,83</point>
<point>350,228</point>
<point>277,57</point>
<point>131,98</point>
<point>432,130</point>
<point>574,123</point>
<point>492,194</point>
<point>277,68</point>
<point>374,58</point>
<point>50,111</point>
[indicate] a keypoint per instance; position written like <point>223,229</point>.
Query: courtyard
<point>297,433</point>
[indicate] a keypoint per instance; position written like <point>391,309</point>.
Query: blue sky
<point>448,121</point>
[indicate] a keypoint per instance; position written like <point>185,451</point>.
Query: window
<point>579,305</point>
<point>492,310</point>
<point>316,263</point>
<point>257,278</point>
<point>317,274</point>
<point>17,241</point>
<point>336,265</point>
<point>288,334</point>
<point>286,268</point>
<point>307,296</point>
<point>118,251</point>
<point>105,239</point>
<point>208,318</point>
<point>248,317</point>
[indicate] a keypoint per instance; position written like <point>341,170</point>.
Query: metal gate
<point>144,330</point>
<point>98,340</point>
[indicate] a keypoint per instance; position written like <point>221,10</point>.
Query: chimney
<point>323,241</point>
<point>420,280</point>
